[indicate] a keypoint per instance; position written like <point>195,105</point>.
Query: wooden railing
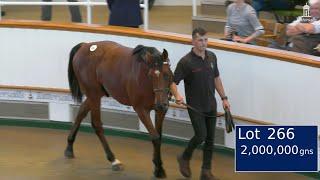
<point>171,37</point>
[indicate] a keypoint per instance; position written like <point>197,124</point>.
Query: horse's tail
<point>73,81</point>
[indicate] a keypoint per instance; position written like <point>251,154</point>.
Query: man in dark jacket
<point>199,70</point>
<point>125,13</point>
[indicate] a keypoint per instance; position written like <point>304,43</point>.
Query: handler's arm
<point>176,94</point>
<point>220,89</point>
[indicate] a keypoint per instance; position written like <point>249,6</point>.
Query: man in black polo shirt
<point>200,73</point>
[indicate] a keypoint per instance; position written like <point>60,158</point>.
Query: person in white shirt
<point>296,27</point>
<point>305,37</point>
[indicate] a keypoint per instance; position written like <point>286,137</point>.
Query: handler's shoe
<point>207,175</point>
<point>184,166</point>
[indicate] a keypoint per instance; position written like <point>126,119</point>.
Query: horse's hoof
<point>68,154</point>
<point>160,173</point>
<point>117,165</point>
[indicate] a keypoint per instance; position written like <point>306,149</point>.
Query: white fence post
<point>146,15</point>
<point>194,7</point>
<point>89,12</point>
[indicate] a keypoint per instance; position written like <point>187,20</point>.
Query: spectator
<point>46,12</point>
<point>125,13</point>
<point>304,37</point>
<point>242,23</point>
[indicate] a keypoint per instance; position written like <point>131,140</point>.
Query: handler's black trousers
<point>204,130</point>
<point>46,12</point>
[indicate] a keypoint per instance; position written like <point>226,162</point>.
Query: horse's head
<point>160,73</point>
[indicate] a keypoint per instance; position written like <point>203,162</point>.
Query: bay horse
<point>138,77</point>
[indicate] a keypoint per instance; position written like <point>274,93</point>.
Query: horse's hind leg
<point>83,111</point>
<point>97,125</point>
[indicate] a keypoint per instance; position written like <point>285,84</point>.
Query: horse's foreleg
<point>144,116</point>
<point>97,125</point>
<point>159,171</point>
<point>83,111</point>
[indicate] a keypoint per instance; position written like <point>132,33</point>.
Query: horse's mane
<point>141,51</point>
<point>138,50</point>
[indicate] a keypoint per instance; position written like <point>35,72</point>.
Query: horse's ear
<point>137,49</point>
<point>164,55</point>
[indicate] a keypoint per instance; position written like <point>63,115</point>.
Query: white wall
<point>260,88</point>
<point>270,90</point>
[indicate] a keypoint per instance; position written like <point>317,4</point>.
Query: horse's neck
<point>141,73</point>
<point>139,86</point>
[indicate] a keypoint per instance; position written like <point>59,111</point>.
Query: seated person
<point>314,12</point>
<point>242,24</point>
<point>304,37</point>
<point>300,28</point>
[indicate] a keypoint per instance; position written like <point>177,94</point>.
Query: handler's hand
<point>179,99</point>
<point>225,104</point>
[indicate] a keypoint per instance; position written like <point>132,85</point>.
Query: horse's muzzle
<point>161,107</point>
